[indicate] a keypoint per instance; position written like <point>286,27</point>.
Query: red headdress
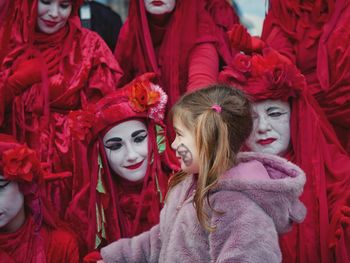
<point>119,208</point>
<point>315,147</point>
<point>20,164</point>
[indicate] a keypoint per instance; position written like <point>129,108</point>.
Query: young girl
<point>223,206</point>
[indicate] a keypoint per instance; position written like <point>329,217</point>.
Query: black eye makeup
<point>113,143</point>
<point>140,138</point>
<point>116,143</point>
<point>45,2</point>
<point>4,183</point>
<point>275,112</point>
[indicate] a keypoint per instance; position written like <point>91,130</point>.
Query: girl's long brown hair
<point>219,136</point>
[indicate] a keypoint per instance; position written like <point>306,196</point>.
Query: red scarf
<point>23,246</point>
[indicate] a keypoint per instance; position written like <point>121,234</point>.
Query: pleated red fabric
<point>315,36</point>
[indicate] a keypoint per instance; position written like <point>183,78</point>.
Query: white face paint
<point>126,146</point>
<point>53,15</point>
<point>271,129</point>
<point>185,147</point>
<point>12,214</point>
<point>160,7</point>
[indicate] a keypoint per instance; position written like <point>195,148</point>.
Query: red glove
<point>26,74</point>
<point>93,256</point>
<point>52,60</point>
<point>241,40</point>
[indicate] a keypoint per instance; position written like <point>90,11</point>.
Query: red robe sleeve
<point>203,66</point>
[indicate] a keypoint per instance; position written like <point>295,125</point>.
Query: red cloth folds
<point>77,68</point>
<point>138,51</point>
<point>315,36</point>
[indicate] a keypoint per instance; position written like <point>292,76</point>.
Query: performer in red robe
<point>130,162</point>
<point>314,35</point>
<point>177,39</point>
<point>53,66</point>
<point>288,122</point>
<point>28,233</point>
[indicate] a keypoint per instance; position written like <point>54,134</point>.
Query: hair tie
<point>216,107</point>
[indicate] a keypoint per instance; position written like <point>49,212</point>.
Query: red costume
<point>324,235</point>
<point>117,207</point>
<point>183,47</point>
<point>42,78</point>
<point>40,239</point>
<point>315,35</point>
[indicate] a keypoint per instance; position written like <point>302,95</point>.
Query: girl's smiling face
<point>185,147</point>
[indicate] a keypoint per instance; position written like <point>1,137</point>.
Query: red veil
<point>145,47</point>
<point>314,147</point>
<point>119,208</point>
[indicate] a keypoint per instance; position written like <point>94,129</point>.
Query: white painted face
<point>53,15</point>
<point>12,214</point>
<point>126,146</point>
<point>185,147</point>
<point>271,129</point>
<point>160,7</point>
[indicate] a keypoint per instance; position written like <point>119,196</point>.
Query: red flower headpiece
<point>80,123</point>
<point>21,164</point>
<point>141,98</point>
<point>144,96</point>
<point>264,76</point>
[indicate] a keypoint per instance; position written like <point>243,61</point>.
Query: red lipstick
<point>266,141</point>
<point>49,23</point>
<point>134,166</point>
<point>157,3</point>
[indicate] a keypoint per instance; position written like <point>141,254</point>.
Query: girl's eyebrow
<point>135,133</point>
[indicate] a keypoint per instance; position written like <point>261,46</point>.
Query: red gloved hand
<point>52,60</point>
<point>240,39</point>
<point>26,74</point>
<point>93,256</point>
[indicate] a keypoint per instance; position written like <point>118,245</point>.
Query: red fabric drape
<point>145,45</point>
<point>77,68</point>
<point>316,37</point>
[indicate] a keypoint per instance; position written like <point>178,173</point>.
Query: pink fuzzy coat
<point>260,199</point>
